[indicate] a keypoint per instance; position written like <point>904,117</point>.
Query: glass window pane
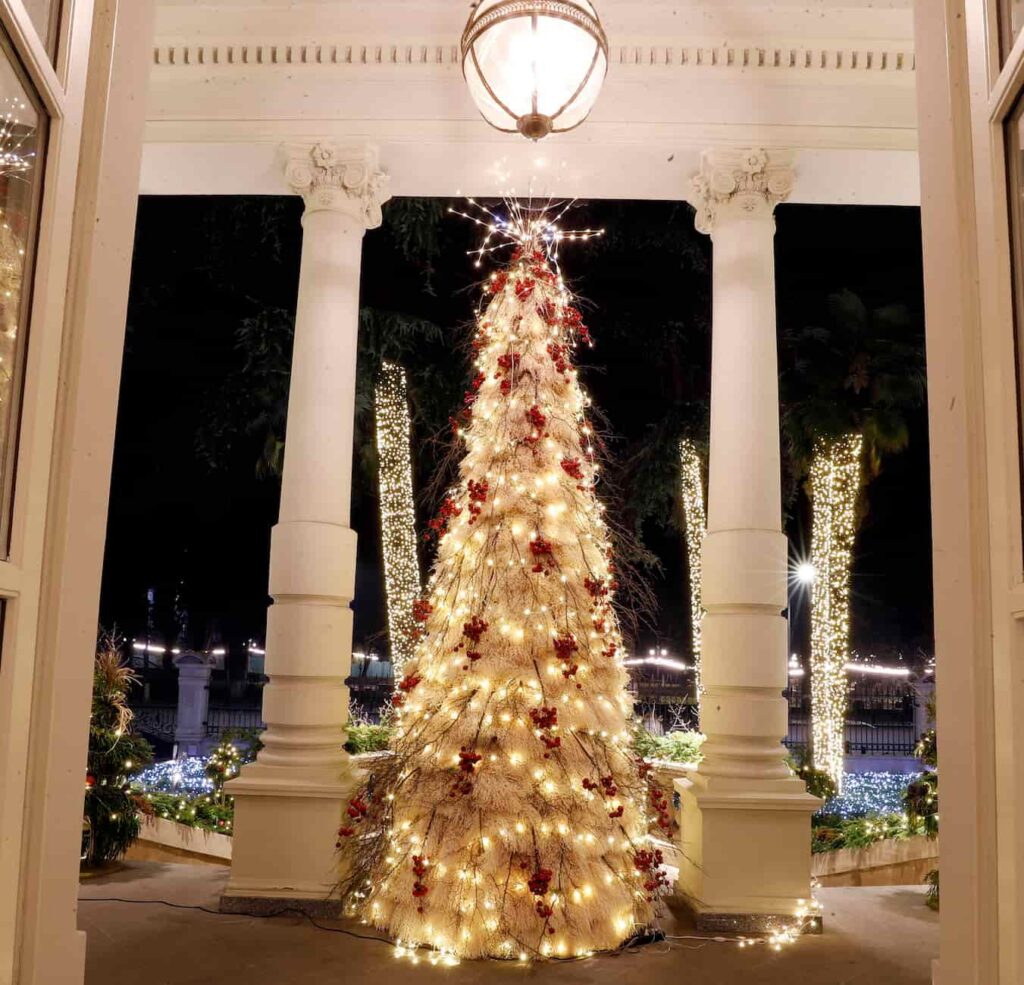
<point>1015,182</point>
<point>45,17</point>
<point>22,142</point>
<point>3,619</point>
<point>1011,20</point>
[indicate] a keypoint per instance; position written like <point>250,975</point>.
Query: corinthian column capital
<point>344,179</point>
<point>740,181</point>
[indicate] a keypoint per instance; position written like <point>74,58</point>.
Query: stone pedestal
<point>289,803</point>
<point>924,692</point>
<point>193,703</point>
<point>745,818</point>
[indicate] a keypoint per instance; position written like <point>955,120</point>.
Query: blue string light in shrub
<point>180,776</point>
<point>865,794</point>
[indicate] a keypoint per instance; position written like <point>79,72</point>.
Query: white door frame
<point>964,98</point>
<point>95,99</point>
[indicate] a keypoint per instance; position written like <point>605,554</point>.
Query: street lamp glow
<point>806,573</point>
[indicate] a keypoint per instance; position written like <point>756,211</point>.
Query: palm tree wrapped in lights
<point>397,510</point>
<point>695,526</point>
<point>849,391</point>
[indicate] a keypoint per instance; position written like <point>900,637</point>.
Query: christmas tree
<point>235,748</point>
<point>511,820</point>
<point>115,755</point>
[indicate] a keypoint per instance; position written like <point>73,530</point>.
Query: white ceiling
<point>835,80</point>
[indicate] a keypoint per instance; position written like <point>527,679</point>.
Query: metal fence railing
<point>159,721</point>
<point>862,738</point>
<point>799,737</point>
<point>880,717</point>
<point>220,720</point>
<point>156,721</point>
<point>881,739</point>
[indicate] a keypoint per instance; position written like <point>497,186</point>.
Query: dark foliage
<point>818,782</point>
<point>210,323</point>
<point>860,370</point>
<point>921,800</point>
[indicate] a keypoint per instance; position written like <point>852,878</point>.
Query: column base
<point>754,924</point>
<point>190,744</point>
<point>284,840</point>
<point>745,853</point>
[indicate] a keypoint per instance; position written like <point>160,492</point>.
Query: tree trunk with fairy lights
<point>511,820</point>
<point>397,510</point>
<point>695,523</point>
<point>835,482</point>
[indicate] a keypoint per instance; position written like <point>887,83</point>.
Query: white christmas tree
<point>512,819</point>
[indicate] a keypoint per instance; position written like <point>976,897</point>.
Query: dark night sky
<point>875,252</point>
<point>203,264</point>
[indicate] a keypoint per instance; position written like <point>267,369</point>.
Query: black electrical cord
<point>630,946</point>
<point>286,911</point>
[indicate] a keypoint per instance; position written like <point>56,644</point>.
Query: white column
<point>288,804</point>
<point>745,831</point>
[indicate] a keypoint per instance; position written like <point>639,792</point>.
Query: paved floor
<point>873,936</point>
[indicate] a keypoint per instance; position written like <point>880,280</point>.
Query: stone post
<point>745,818</point>
<point>193,703</point>
<point>924,691</point>
<point>288,804</point>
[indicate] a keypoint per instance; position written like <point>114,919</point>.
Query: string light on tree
<point>835,476</point>
<point>222,765</point>
<point>397,510</point>
<point>522,226</point>
<point>695,523</point>
<point>512,819</point>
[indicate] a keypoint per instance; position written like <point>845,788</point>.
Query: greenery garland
<point>862,832</point>
<point>205,812</point>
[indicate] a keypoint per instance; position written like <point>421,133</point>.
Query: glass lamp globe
<point>534,66</point>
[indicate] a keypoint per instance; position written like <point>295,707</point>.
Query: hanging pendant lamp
<point>534,66</point>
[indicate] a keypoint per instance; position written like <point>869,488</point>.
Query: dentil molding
<point>877,59</point>
<point>335,178</point>
<point>740,181</point>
